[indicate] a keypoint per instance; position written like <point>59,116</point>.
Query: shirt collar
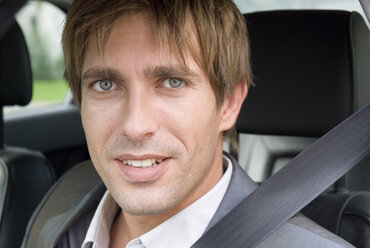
<point>180,230</point>
<point>99,229</point>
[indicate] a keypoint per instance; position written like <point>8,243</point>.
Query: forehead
<point>136,30</point>
<point>128,31</point>
<point>135,23</point>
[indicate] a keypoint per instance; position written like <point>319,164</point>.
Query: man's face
<point>152,126</point>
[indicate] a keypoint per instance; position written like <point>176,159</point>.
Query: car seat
<point>25,175</point>
<point>311,71</point>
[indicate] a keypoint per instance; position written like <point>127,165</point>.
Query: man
<point>159,85</point>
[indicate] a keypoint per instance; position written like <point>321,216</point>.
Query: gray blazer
<point>68,227</point>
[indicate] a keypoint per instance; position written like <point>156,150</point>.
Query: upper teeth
<point>143,163</point>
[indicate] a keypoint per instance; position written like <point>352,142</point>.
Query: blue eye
<point>173,83</point>
<point>103,85</point>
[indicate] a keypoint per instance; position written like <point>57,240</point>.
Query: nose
<point>138,120</point>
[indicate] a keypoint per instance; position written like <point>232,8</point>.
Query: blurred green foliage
<point>43,66</point>
<point>49,90</point>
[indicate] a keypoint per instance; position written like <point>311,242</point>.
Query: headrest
<point>8,8</point>
<point>15,70</point>
<point>303,65</point>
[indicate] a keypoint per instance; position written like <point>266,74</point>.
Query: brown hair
<point>222,50</point>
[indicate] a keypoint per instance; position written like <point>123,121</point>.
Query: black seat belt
<point>289,190</point>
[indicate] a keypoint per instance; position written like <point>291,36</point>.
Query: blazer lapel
<point>241,185</point>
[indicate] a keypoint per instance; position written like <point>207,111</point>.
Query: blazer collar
<point>241,185</point>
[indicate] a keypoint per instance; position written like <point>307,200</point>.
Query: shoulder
<point>68,205</point>
<point>300,231</point>
<point>74,237</point>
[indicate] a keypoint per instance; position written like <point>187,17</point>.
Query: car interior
<point>326,54</point>
<point>25,175</point>
<point>310,70</point>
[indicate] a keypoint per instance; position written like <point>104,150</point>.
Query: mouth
<point>144,163</point>
<point>146,168</point>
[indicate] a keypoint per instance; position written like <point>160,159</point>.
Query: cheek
<point>98,124</point>
<point>192,120</point>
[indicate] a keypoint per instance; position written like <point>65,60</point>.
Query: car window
<point>42,25</point>
<point>248,6</point>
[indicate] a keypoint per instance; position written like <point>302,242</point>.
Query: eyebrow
<point>168,71</point>
<point>161,71</point>
<point>98,72</point>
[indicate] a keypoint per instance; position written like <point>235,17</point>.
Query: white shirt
<point>180,231</point>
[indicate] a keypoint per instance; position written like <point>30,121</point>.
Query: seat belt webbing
<point>298,183</point>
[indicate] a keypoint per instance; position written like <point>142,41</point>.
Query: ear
<point>230,108</point>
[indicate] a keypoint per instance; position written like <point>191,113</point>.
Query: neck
<point>127,227</point>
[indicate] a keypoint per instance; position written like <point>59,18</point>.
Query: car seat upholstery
<point>25,175</point>
<point>308,66</point>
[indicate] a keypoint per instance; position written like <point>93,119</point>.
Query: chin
<point>150,208</point>
<point>141,204</point>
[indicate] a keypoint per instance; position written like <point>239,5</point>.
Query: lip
<point>142,175</point>
<point>139,157</point>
